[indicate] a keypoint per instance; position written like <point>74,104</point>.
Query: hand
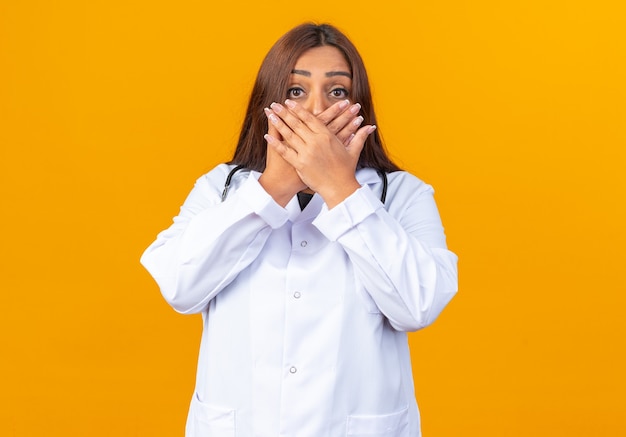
<point>342,119</point>
<point>279,179</point>
<point>321,160</point>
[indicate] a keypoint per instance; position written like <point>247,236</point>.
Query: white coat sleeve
<point>400,256</point>
<point>211,241</point>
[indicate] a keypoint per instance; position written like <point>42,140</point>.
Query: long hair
<point>272,83</point>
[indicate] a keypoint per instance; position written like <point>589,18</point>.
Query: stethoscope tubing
<point>383,176</point>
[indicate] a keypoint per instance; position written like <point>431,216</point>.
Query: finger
<point>298,118</point>
<point>285,131</point>
<point>347,133</point>
<point>271,129</point>
<point>357,143</point>
<point>333,112</point>
<point>339,124</point>
<point>287,153</point>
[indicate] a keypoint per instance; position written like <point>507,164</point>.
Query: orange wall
<point>514,111</point>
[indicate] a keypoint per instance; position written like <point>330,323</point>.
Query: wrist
<point>280,191</point>
<point>333,196</point>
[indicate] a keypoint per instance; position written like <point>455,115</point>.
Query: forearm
<point>210,243</point>
<point>404,266</point>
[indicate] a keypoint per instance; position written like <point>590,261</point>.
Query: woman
<point>309,256</point>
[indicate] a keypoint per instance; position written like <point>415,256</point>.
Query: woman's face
<point>320,78</point>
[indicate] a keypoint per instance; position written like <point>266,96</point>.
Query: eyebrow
<point>328,74</point>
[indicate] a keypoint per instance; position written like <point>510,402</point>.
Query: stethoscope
<point>383,176</point>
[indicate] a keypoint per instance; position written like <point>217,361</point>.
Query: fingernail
<point>270,115</point>
<point>276,107</point>
<point>357,121</point>
<point>344,104</point>
<point>290,104</point>
<point>371,129</point>
<point>355,108</point>
<point>268,138</point>
<point>349,139</point>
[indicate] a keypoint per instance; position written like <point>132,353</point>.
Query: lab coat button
<point>303,243</point>
<point>297,295</point>
<point>293,370</point>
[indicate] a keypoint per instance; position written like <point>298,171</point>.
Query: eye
<point>295,92</point>
<point>340,93</point>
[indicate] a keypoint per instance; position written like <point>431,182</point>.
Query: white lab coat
<point>305,312</point>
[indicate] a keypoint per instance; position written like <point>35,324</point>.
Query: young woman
<point>309,256</point>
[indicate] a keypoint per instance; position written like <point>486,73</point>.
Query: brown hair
<point>271,86</point>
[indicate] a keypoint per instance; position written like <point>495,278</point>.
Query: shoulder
<point>399,183</point>
<point>217,178</point>
<point>405,182</point>
<point>217,175</point>
<point>409,196</point>
<point>209,187</point>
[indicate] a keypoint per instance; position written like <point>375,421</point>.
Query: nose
<point>316,103</point>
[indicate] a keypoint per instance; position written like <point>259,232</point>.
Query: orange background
<point>514,111</point>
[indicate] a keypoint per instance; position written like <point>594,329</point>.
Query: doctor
<point>313,263</point>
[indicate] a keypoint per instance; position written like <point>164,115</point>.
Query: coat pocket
<point>209,420</point>
<point>385,425</point>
